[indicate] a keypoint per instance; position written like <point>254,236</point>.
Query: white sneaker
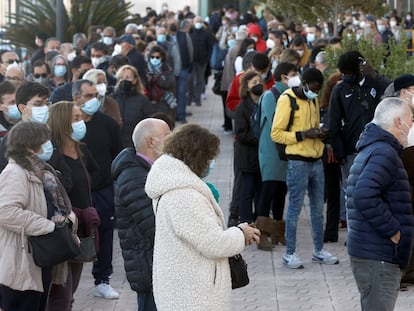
<point>106,291</point>
<point>324,257</point>
<point>292,261</point>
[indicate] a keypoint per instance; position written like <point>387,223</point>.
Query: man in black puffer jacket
<point>133,209</point>
<point>380,220</point>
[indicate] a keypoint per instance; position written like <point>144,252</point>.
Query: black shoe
<point>330,240</point>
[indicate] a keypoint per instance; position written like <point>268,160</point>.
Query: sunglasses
<point>11,61</point>
<point>157,57</point>
<point>37,75</point>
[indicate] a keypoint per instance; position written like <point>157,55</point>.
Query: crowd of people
<point>95,119</point>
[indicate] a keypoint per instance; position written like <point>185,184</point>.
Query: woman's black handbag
<point>238,270</point>
<point>55,247</point>
<point>87,249</point>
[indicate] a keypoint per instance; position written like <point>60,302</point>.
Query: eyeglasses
<point>11,61</point>
<point>157,57</point>
<point>38,75</point>
<point>40,103</point>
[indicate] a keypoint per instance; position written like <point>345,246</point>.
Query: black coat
<point>246,145</point>
<point>135,218</point>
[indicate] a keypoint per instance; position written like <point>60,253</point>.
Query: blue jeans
<point>146,302</point>
<point>345,173</point>
<point>181,88</point>
<point>302,176</point>
<point>378,283</point>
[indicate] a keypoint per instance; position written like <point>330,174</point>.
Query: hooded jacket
<point>254,29</point>
<point>192,245</point>
<point>378,200</point>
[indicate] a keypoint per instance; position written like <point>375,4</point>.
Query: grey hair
<point>92,75</point>
<point>387,110</point>
<point>321,57</point>
<point>111,29</point>
<point>145,128</point>
<point>131,27</point>
<point>77,37</point>
<point>77,87</point>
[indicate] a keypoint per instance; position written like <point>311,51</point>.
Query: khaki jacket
<point>23,213</point>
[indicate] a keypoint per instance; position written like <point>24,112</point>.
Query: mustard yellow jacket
<point>306,117</point>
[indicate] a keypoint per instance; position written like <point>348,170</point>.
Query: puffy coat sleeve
<point>194,221</point>
<point>14,215</point>
<point>377,174</point>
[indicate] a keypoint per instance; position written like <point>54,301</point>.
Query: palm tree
<point>40,15</point>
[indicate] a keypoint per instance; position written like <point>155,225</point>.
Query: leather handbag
<point>238,270</point>
<point>87,249</point>
<point>55,247</point>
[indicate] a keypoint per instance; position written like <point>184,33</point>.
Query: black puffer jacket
<point>135,218</point>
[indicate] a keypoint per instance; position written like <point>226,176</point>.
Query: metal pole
<point>59,18</point>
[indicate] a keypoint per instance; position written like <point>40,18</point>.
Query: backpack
<point>256,115</point>
<point>281,148</point>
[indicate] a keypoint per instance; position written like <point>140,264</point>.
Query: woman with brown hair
<point>246,158</point>
<point>192,244</point>
<point>133,104</point>
<point>68,128</point>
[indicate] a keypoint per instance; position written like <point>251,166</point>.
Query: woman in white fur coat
<point>192,245</point>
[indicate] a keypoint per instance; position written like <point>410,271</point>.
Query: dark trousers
<point>61,296</point>
<point>228,125</point>
<point>235,197</point>
<point>103,201</point>
<point>249,192</point>
<point>333,199</point>
<point>15,300</point>
<point>146,302</point>
<point>272,195</point>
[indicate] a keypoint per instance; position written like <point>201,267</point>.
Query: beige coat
<point>23,213</point>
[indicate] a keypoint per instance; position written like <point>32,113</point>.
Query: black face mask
<point>257,89</point>
<point>173,28</point>
<point>125,85</point>
<point>149,39</point>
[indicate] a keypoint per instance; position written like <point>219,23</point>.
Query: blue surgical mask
<point>309,94</point>
<point>78,130</point>
<point>13,112</point>
<point>155,61</point>
<point>234,29</point>
<point>59,70</point>
<point>47,151</point>
<point>210,168</point>
<point>198,25</point>
<point>91,106</point>
<point>231,43</point>
<point>161,38</point>
<point>40,114</point>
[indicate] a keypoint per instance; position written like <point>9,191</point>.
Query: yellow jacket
<point>306,117</point>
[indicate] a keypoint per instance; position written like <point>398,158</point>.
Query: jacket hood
<point>373,133</point>
<point>254,29</point>
<point>125,159</point>
<point>168,174</point>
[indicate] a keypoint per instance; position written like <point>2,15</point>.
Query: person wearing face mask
<point>273,169</point>
<point>27,186</point>
<point>108,105</point>
<point>379,206</point>
<point>80,65</point>
<point>9,113</point>
<point>161,82</point>
<point>59,71</point>
<point>99,55</point>
<point>103,139</point>
<point>254,32</point>
<point>408,21</point>
<point>304,151</point>
<point>202,48</point>
<point>134,106</point>
<point>134,213</point>
<point>190,227</point>
<point>384,34</point>
<point>351,106</point>
<point>246,159</point>
<point>75,162</point>
<point>299,45</point>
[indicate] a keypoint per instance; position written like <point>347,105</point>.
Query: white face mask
<point>101,89</point>
<point>294,81</point>
<point>310,37</point>
<point>117,50</point>
<point>270,43</point>
<point>300,52</point>
<point>71,56</point>
<point>404,133</point>
<point>96,61</point>
<point>393,23</point>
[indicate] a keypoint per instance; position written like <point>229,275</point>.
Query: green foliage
<point>83,14</point>
<point>391,63</point>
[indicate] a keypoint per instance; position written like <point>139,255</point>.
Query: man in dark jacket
<point>203,44</point>
<point>380,220</point>
<point>133,209</point>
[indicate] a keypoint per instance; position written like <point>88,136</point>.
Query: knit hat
<point>403,82</point>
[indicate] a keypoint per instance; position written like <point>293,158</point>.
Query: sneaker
<point>228,132</point>
<point>106,291</point>
<point>324,257</point>
<point>292,261</point>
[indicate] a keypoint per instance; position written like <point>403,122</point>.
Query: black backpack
<point>257,114</point>
<point>281,148</point>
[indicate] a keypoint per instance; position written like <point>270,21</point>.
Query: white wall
<point>140,5</point>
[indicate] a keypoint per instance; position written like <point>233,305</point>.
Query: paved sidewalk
<point>272,287</point>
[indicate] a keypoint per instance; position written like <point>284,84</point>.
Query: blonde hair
<point>120,73</point>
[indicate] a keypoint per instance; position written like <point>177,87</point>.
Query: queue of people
<point>96,121</point>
